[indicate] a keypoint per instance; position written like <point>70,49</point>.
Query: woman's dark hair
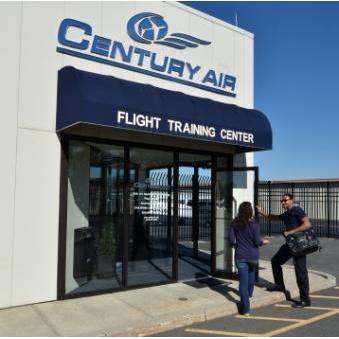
<point>245,213</point>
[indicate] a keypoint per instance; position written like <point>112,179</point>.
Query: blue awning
<point>94,99</point>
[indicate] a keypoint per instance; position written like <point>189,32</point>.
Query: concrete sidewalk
<point>145,311</point>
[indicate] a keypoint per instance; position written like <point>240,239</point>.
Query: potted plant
<point>106,251</point>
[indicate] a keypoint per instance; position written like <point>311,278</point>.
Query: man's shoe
<point>301,304</point>
<point>288,295</point>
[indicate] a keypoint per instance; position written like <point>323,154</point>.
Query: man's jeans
<point>246,270</point>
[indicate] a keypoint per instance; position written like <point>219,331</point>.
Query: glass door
<point>139,216</point>
<point>232,187</point>
<point>150,229</point>
<point>194,216</point>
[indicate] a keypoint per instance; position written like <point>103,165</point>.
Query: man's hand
<point>286,233</point>
<point>259,209</point>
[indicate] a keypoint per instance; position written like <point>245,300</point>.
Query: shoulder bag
<point>302,243</point>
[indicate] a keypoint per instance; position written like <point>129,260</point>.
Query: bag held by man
<point>302,243</point>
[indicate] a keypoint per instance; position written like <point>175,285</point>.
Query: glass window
<point>150,230</point>
<point>94,217</point>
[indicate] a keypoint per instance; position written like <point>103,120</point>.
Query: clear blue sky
<point>296,64</point>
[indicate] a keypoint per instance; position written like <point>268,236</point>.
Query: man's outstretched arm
<point>267,215</point>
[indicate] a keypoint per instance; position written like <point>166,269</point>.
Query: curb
<point>221,311</point>
<point>187,320</point>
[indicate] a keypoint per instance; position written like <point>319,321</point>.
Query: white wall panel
<point>36,217</point>
<point>238,66</point>
<point>39,61</point>
<point>10,14</point>
<point>91,13</point>
<point>248,67</point>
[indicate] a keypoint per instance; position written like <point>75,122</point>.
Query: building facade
<point>105,108</point>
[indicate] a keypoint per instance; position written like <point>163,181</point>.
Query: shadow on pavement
<point>263,283</point>
<point>216,285</point>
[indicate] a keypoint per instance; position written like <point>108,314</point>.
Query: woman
<point>244,235</point>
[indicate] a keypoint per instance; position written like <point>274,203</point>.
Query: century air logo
<point>150,28</point>
<point>78,39</point>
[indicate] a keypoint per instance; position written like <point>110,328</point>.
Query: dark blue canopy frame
<point>89,98</point>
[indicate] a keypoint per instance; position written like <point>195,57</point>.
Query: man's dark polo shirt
<point>292,218</point>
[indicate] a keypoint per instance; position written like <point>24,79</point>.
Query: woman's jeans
<point>246,271</point>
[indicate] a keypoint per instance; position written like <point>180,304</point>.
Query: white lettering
<point>121,115</point>
<point>178,125</point>
<point>171,123</point>
<point>140,120</point>
<point>227,134</point>
<point>191,128</point>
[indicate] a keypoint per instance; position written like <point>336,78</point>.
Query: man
<point>295,220</point>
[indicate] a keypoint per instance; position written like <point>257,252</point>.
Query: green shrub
<point>106,243</point>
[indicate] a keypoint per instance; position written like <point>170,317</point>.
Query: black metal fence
<point>205,208</point>
<point>105,199</point>
<point>161,203</point>
<point>162,194</point>
<point>186,206</point>
<point>319,199</point>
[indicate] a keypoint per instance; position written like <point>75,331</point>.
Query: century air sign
<point>147,29</point>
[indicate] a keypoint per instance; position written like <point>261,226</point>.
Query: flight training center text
<point>147,122</point>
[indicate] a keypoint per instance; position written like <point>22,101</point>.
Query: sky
<point>296,82</point>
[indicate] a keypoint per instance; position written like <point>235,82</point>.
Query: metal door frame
<point>195,211</point>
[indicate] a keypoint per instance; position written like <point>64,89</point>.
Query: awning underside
<point>89,98</point>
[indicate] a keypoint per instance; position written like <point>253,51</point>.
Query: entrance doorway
<point>140,216</point>
<point>194,216</point>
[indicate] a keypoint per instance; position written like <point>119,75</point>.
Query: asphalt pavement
<point>280,319</point>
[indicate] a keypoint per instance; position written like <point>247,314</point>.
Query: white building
<point>78,143</point>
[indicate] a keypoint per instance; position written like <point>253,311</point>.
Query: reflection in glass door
<point>150,241</point>
<point>94,218</point>
<point>194,216</point>
<point>233,186</point>
<point>106,211</point>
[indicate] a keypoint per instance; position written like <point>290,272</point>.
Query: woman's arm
<point>231,236</point>
<point>257,240</point>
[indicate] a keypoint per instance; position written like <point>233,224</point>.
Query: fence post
<point>269,208</point>
<point>328,209</point>
<point>169,208</point>
<point>195,211</point>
